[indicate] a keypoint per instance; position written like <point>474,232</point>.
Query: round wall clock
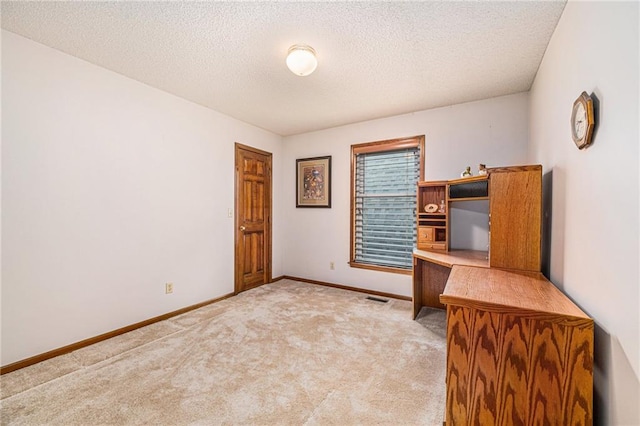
<point>582,121</point>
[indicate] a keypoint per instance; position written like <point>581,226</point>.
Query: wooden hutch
<point>518,350</point>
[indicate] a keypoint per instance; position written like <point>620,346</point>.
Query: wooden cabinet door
<point>515,217</point>
<point>253,218</point>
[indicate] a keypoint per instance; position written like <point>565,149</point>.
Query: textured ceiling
<point>376,59</point>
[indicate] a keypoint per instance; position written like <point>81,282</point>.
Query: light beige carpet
<point>284,353</point>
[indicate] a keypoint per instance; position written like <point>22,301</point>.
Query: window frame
<point>368,148</point>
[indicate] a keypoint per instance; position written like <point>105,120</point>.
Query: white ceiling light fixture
<point>301,59</point>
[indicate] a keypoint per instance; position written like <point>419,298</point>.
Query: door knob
<point>242,228</point>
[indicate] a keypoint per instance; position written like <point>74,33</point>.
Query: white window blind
<point>385,206</point>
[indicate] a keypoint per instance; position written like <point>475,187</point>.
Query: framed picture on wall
<point>313,182</point>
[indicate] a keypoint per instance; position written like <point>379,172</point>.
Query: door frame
<point>237,288</point>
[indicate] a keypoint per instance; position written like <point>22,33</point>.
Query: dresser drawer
<point>425,234</point>
<point>432,246</point>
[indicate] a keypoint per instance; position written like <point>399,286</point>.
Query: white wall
<point>594,216</point>
<point>110,188</point>
<point>493,131</point>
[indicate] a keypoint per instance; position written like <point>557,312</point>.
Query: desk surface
<point>454,257</point>
<point>502,291</point>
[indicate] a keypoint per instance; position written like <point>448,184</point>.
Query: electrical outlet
<point>168,288</point>
<point>332,265</point>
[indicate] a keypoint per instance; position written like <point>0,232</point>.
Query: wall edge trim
<point>92,340</point>
<point>346,287</point>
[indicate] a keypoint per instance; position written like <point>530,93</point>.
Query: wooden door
<point>253,218</point>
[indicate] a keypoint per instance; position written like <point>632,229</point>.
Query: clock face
<point>580,121</point>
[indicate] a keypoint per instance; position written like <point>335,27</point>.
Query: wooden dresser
<point>519,352</point>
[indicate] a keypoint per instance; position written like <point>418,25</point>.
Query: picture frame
<point>313,182</point>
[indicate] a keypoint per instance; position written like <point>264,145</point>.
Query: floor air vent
<point>377,299</point>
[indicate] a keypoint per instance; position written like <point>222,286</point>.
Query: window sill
<point>381,268</point>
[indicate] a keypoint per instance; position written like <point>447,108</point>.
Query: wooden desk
<point>518,350</point>
<point>431,270</point>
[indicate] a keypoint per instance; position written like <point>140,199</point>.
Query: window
<point>383,203</point>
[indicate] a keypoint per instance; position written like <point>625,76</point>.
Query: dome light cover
<point>301,59</point>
